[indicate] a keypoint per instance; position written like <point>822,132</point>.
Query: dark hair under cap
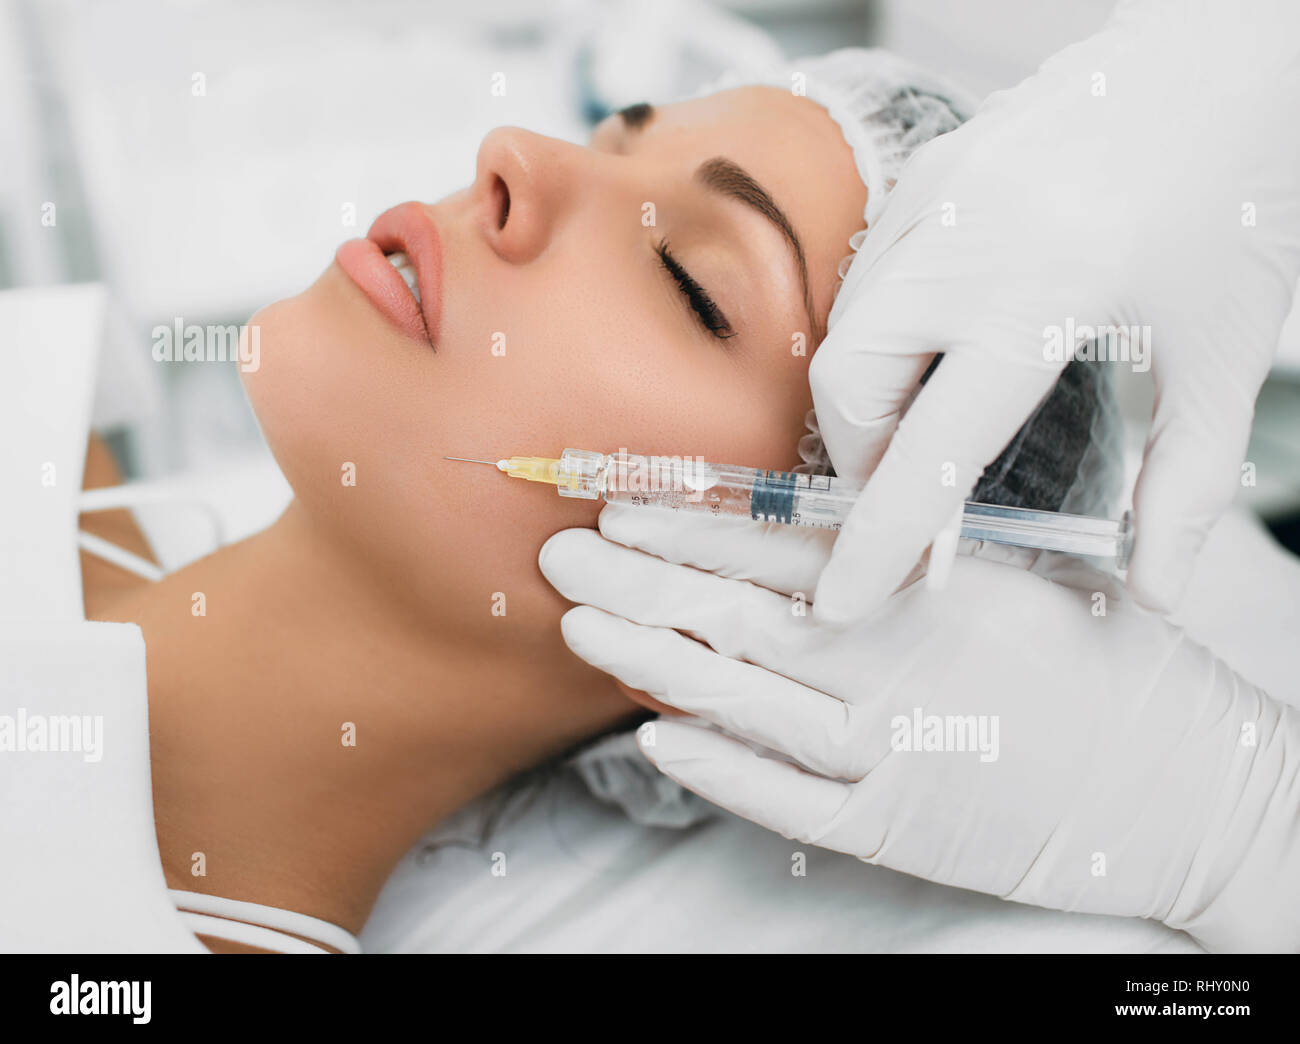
<point>1041,464</point>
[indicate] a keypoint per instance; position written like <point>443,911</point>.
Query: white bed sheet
<point>581,876</point>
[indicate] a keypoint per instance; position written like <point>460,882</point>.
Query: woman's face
<point>660,290</point>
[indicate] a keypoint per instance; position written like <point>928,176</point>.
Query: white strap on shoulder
<point>248,934</point>
<point>132,495</point>
<point>270,919</point>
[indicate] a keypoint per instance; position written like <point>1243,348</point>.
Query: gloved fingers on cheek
<point>781,558</point>
<point>773,794</point>
<point>737,619</point>
<point>586,568</point>
<point>630,652</point>
<point>746,700</point>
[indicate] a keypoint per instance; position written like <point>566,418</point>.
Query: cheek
<point>359,422</point>
<point>742,410</point>
<point>359,419</point>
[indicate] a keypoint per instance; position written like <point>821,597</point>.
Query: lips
<point>408,229</point>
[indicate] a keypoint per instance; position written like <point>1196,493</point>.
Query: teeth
<point>406,270</point>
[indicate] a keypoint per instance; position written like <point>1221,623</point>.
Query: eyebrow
<point>726,178</point>
<point>636,116</point>
<point>729,179</point>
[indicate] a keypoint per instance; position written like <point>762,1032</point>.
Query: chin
<point>277,398</point>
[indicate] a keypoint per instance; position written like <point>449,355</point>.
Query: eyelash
<point>709,313</point>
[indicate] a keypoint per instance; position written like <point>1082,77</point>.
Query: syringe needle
<point>471,460</point>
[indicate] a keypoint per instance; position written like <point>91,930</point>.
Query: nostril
<point>502,196</point>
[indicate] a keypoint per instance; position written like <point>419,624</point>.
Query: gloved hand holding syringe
<point>817,501</point>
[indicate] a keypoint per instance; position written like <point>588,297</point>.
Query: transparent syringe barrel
<point>819,501</point>
<point>689,484</point>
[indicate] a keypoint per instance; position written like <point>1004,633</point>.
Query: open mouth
<point>406,270</point>
<point>398,266</point>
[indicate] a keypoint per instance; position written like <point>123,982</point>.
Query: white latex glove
<point>1135,774</point>
<point>1171,200</point>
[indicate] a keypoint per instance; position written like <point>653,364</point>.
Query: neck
<point>306,728</point>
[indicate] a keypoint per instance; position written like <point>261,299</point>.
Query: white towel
<point>79,863</point>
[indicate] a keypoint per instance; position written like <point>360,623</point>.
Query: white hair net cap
<point>885,106</point>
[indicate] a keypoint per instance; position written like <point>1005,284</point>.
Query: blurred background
<point>208,157</point>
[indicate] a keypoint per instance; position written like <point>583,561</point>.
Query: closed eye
<point>709,314</point>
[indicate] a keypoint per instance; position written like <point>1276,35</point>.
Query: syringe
<point>819,501</point>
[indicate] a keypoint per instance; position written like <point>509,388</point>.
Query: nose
<point>524,185</point>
